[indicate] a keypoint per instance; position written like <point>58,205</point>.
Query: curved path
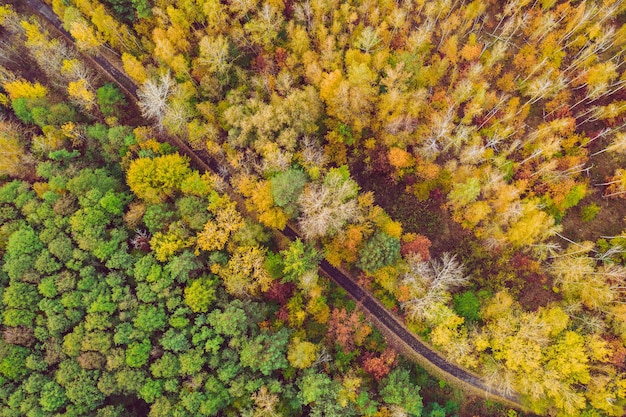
<point>392,325</point>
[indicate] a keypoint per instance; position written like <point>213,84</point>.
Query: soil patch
<point>423,217</point>
<point>537,292</point>
<point>610,219</point>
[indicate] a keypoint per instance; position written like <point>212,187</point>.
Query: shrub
<point>589,212</point>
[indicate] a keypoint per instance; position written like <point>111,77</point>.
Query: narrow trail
<point>390,323</point>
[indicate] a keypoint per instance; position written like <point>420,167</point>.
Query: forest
<point>464,162</point>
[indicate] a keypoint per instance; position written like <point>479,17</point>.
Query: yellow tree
<point>245,275</point>
<point>216,233</point>
<point>166,245</point>
<point>134,68</point>
<point>533,226</point>
<point>260,199</point>
<point>82,93</point>
<point>301,353</point>
<point>86,36</point>
<point>116,34</point>
<point>24,89</point>
<point>155,179</point>
<point>12,150</point>
<point>581,279</point>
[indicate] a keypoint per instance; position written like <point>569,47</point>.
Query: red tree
<point>379,366</point>
<point>421,244</point>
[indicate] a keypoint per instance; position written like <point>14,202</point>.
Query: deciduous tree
<point>329,204</point>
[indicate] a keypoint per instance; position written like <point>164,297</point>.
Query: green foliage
<point>191,362</point>
<point>22,110</point>
<point>13,361</point>
<point>467,305</point>
<point>589,212</point>
<point>298,259</point>
<point>151,390</point>
<point>229,322</point>
<point>113,202</point>
<point>286,189</point>
<point>381,250</point>
<point>20,295</point>
<point>47,287</point>
<point>193,211</point>
<point>137,354</point>
<point>149,318</point>
<point>217,396</point>
<point>167,366</point>
<point>397,388</point>
<point>110,100</point>
<point>52,397</point>
<point>158,217</point>
<point>317,386</point>
<point>274,264</point>
<point>92,184</point>
<point>572,198</point>
<point>21,251</point>
<point>251,234</point>
<point>175,341</point>
<point>267,352</point>
<point>40,112</point>
<point>130,10</point>
<point>183,266</point>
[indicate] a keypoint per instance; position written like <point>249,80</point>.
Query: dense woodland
<point>464,161</point>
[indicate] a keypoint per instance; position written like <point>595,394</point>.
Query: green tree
<point>149,318</point>
<point>231,321</point>
<point>175,341</point>
<point>467,305</point>
<point>320,392</point>
<point>167,366</point>
<point>193,211</point>
<point>379,251</point>
<point>52,397</point>
<point>13,361</point>
<point>80,385</point>
<point>137,354</point>
<point>298,259</point>
<point>398,389</point>
<point>266,352</point>
<point>110,100</point>
<point>158,216</point>
<point>217,397</point>
<point>286,189</point>
<point>21,252</point>
<point>151,390</point>
<point>191,362</point>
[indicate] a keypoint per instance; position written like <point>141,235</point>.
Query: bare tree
<point>153,98</point>
<point>327,206</point>
<point>430,282</point>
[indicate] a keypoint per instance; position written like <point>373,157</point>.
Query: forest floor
<point>426,218</point>
<point>610,218</point>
